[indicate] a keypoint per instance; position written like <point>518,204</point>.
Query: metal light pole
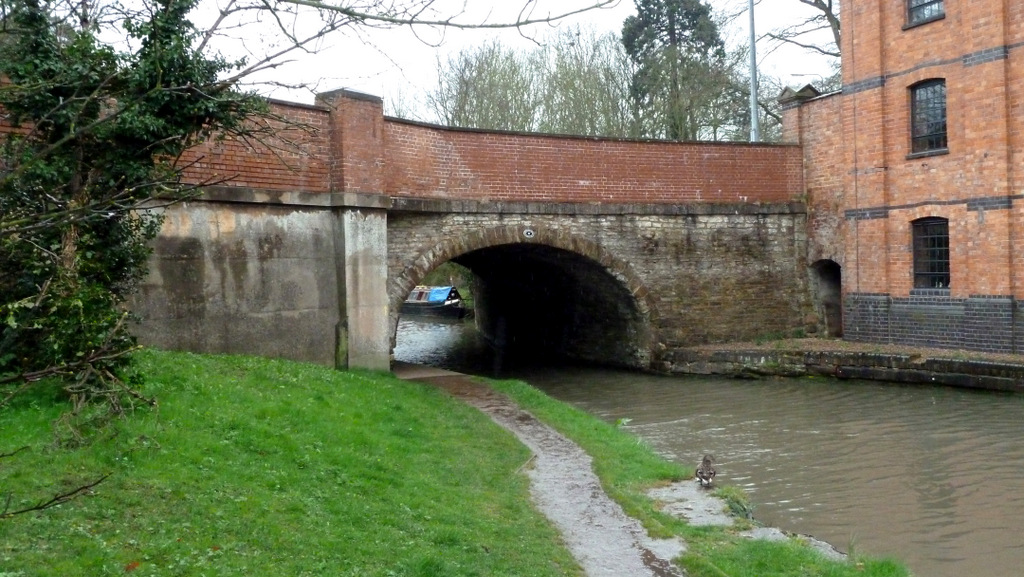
<point>755,130</point>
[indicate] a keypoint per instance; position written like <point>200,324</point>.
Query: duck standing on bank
<point>705,471</point>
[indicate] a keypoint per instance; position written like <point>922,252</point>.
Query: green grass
<point>260,467</point>
<point>736,501</point>
<point>747,557</point>
<point>627,468</point>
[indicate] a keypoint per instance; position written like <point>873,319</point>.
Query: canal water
<point>931,475</point>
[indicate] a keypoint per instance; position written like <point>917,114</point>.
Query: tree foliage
<point>682,70</point>
<point>94,134</point>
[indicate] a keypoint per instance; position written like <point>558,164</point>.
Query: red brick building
<point>913,173</point>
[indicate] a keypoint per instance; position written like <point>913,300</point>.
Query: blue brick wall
<point>932,318</point>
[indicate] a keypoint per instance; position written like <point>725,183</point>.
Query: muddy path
<point>603,539</point>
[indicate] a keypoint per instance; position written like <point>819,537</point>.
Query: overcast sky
<point>397,64</point>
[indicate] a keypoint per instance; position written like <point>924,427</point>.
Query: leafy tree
<point>95,133</point>
<point>681,67</point>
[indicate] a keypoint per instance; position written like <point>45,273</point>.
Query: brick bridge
<point>598,249</point>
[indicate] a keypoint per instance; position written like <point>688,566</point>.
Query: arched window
<point>931,253</point>
<point>928,116</point>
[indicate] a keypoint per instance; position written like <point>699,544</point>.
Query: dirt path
<point>603,539</point>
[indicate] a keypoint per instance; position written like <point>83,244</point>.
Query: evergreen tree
<point>682,71</point>
<point>93,133</point>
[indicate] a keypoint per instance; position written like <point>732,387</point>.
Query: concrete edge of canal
<point>844,360</point>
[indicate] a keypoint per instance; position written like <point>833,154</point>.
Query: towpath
<point>603,539</point>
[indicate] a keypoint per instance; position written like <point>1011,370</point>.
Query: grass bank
<point>261,467</point>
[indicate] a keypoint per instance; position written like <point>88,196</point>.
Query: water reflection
<point>447,343</point>
<point>930,475</point>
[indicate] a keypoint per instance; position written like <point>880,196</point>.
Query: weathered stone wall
<point>914,368</point>
<point>682,275</point>
<point>291,275</point>
<point>243,278</point>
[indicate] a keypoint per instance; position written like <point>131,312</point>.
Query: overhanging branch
<point>415,20</point>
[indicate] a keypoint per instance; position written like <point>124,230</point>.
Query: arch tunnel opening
<point>536,304</point>
<point>826,286</point>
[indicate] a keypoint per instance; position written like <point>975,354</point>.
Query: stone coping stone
<point>889,367</point>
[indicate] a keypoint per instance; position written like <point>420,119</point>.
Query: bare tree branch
<point>826,18</point>
<point>58,499</point>
<point>13,453</point>
<point>812,47</point>
<point>416,20</point>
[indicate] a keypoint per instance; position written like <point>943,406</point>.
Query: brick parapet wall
<point>295,157</point>
<point>345,144</point>
<point>357,141</point>
<point>289,151</point>
<point>435,162</point>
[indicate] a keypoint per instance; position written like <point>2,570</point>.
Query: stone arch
<point>827,292</point>
<point>451,248</point>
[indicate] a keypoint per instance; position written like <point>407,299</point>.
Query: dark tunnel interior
<point>536,301</point>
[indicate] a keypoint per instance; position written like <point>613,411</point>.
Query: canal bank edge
<point>845,360</point>
<point>564,487</point>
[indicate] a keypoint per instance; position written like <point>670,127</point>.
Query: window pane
<point>921,10</point>
<point>928,116</point>
<point>931,253</point>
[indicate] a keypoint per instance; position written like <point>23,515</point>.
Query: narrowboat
<point>435,301</point>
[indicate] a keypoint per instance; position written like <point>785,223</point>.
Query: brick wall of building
<point>977,47</point>
<point>824,190</point>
